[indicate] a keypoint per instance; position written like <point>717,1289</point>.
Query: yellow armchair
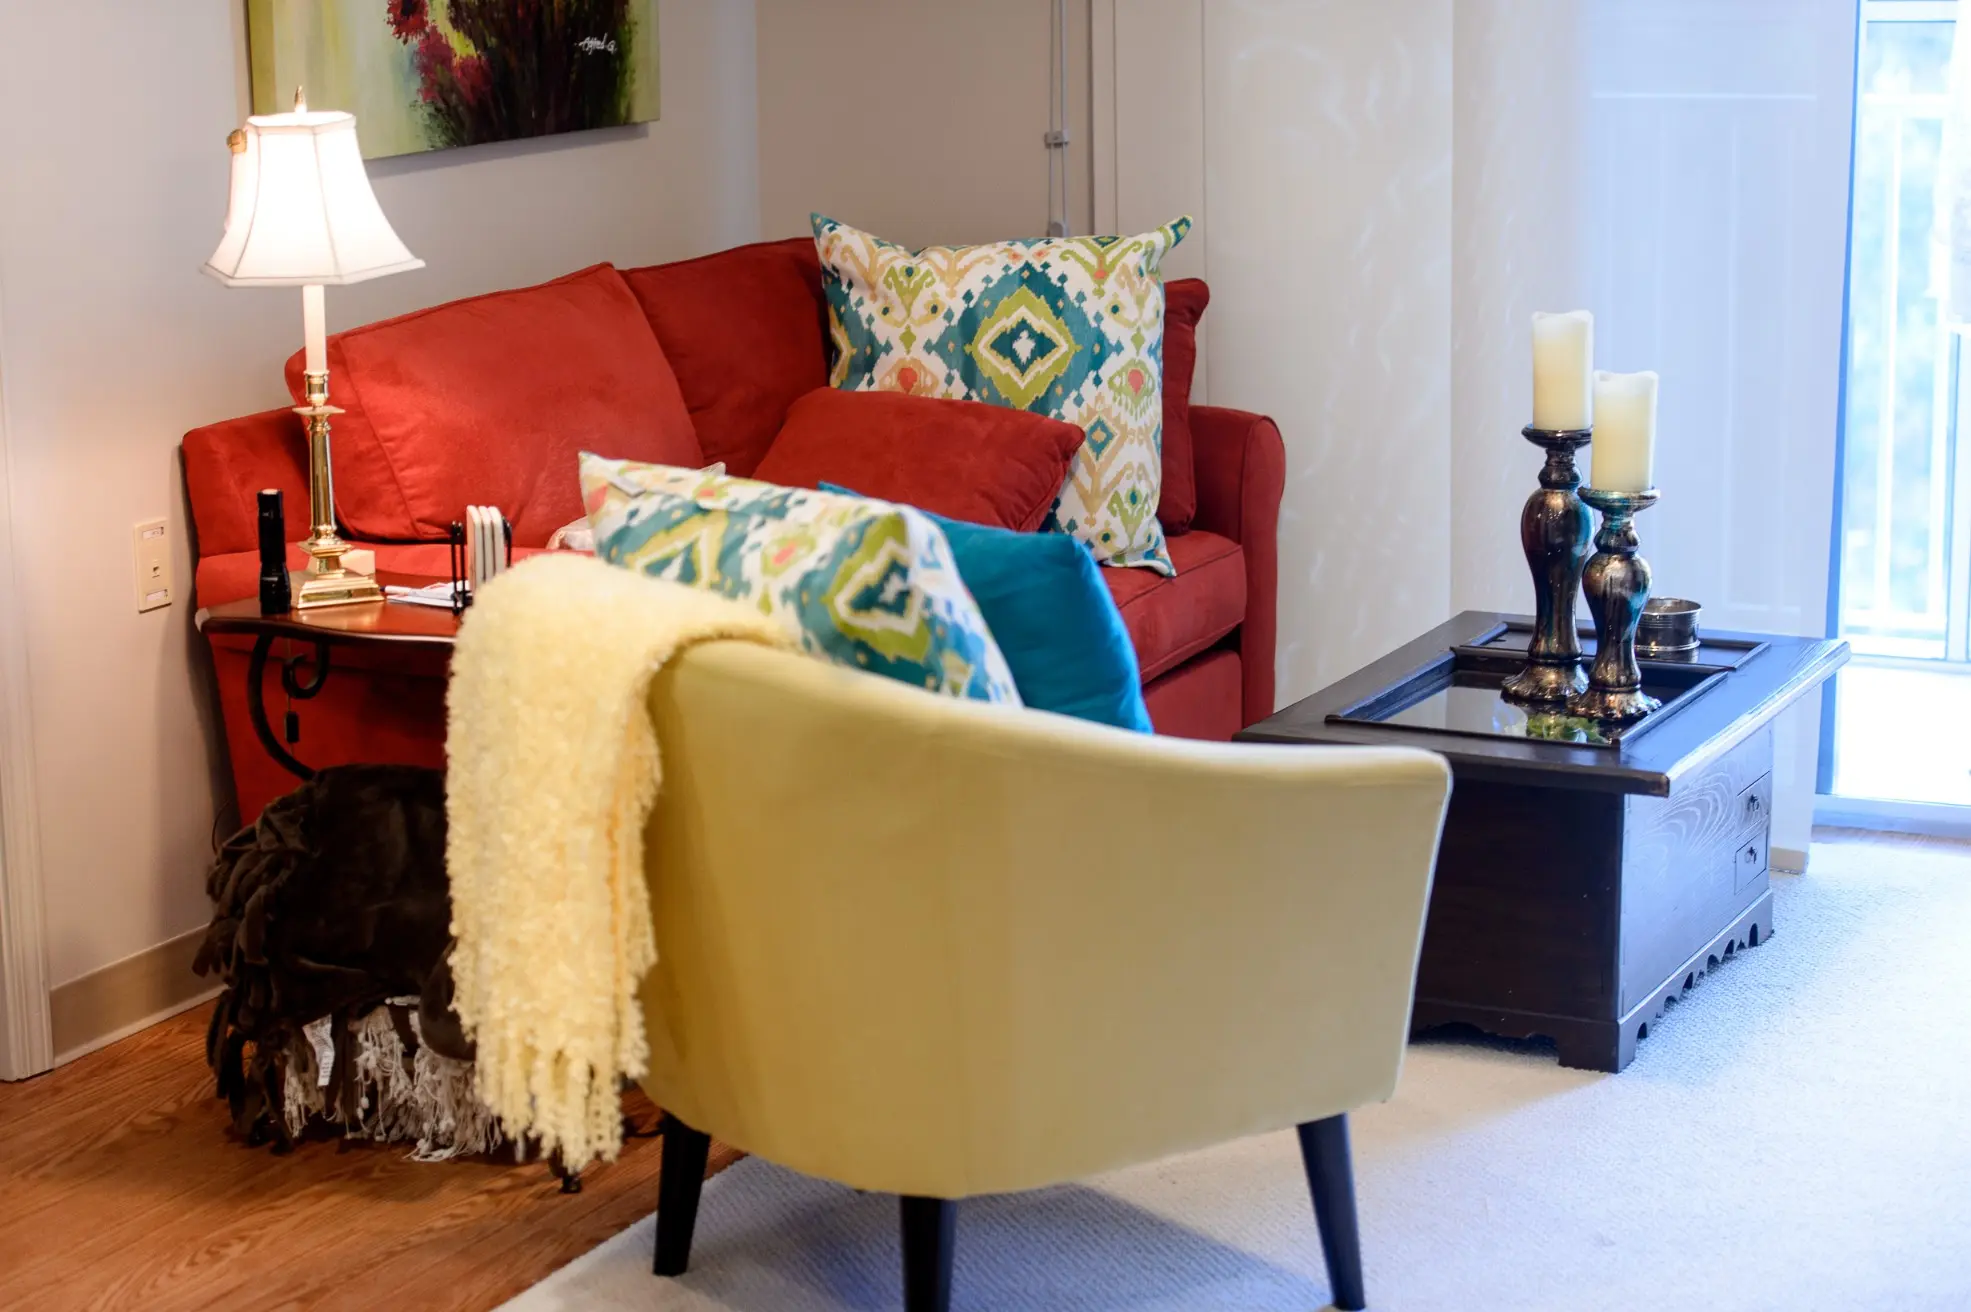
<point>939,949</point>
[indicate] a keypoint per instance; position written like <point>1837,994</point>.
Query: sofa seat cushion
<point>983,464</point>
<point>1171,620</point>
<point>1199,699</point>
<point>489,400</point>
<point>745,332</point>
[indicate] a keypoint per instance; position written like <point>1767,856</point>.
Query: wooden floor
<point>122,1187</point>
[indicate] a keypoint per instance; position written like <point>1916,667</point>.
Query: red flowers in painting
<point>492,70</point>
<point>435,62</point>
<point>409,19</point>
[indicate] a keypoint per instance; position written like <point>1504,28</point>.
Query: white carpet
<point>1796,1135</point>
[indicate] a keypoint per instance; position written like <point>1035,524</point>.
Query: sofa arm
<point>227,464</point>
<point>1242,473</point>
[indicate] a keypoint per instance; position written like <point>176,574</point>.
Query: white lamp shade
<point>301,209</point>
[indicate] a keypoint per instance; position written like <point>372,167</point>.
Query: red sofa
<point>744,332</point>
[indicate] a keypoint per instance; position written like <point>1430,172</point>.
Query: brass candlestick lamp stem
<point>1617,583</point>
<point>1553,531</point>
<point>325,581</point>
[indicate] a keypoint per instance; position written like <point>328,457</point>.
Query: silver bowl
<point>1668,628</point>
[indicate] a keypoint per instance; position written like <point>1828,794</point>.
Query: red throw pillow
<point>986,464</point>
<point>488,401</point>
<point>746,331</point>
<point>1184,304</point>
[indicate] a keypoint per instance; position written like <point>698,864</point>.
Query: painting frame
<point>427,75</point>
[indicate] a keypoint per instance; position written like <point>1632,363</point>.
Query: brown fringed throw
<point>331,920</point>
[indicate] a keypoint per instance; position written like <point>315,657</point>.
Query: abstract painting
<point>432,74</point>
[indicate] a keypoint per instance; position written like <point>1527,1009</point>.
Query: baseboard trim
<point>126,996</point>
<point>1930,819</point>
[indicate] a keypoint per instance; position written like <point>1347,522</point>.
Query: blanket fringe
<point>426,1099</point>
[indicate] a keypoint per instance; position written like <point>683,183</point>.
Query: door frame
<point>26,1040</point>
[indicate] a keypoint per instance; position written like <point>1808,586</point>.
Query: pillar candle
<point>1563,362</point>
<point>314,330</point>
<point>1625,432</point>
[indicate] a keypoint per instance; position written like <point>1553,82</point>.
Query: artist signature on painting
<point>597,45</point>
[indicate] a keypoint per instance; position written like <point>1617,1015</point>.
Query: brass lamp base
<point>340,587</point>
<point>325,582</point>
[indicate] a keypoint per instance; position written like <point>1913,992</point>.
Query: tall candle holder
<point>1553,531</point>
<point>1617,583</point>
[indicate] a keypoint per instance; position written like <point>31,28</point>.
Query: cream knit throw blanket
<point>552,769</point>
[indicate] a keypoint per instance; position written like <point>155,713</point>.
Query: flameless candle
<point>1563,363</point>
<point>1625,432</point>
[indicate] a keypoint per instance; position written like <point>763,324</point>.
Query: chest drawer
<point>1755,805</point>
<point>1749,862</point>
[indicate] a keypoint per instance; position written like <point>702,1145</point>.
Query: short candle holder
<point>1553,532</point>
<point>1617,583</point>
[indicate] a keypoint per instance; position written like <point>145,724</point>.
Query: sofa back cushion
<point>984,464</point>
<point>491,400</point>
<point>1184,304</point>
<point>744,331</point>
<point>226,465</point>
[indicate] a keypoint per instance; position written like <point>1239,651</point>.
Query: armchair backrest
<point>933,947</point>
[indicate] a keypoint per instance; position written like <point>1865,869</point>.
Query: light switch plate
<point>152,541</point>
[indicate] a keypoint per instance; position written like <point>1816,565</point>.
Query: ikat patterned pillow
<point>1069,327</point>
<point>860,583</point>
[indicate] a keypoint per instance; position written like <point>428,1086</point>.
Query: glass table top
<point>1470,703</point>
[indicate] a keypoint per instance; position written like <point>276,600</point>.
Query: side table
<point>303,674</point>
<point>1587,876</point>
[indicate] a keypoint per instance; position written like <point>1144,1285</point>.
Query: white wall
<point>917,120</point>
<point>1387,193</point>
<point>1328,137</point>
<point>1313,141</point>
<point>1680,168</point>
<point>113,117</point>
<point>1519,245</point>
<point>1718,212</point>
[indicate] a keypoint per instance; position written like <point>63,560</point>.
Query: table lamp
<point>302,214</point>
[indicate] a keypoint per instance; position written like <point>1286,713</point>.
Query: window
<point>1903,576</point>
<point>1904,558</point>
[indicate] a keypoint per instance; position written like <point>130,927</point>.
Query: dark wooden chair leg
<point>930,1227</point>
<point>1331,1179</point>
<point>680,1179</point>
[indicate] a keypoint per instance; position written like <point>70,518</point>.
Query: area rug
<point>1796,1135</point>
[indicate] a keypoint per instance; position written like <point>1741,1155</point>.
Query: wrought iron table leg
<point>316,664</point>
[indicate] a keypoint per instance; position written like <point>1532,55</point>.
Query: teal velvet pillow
<point>1043,598</point>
